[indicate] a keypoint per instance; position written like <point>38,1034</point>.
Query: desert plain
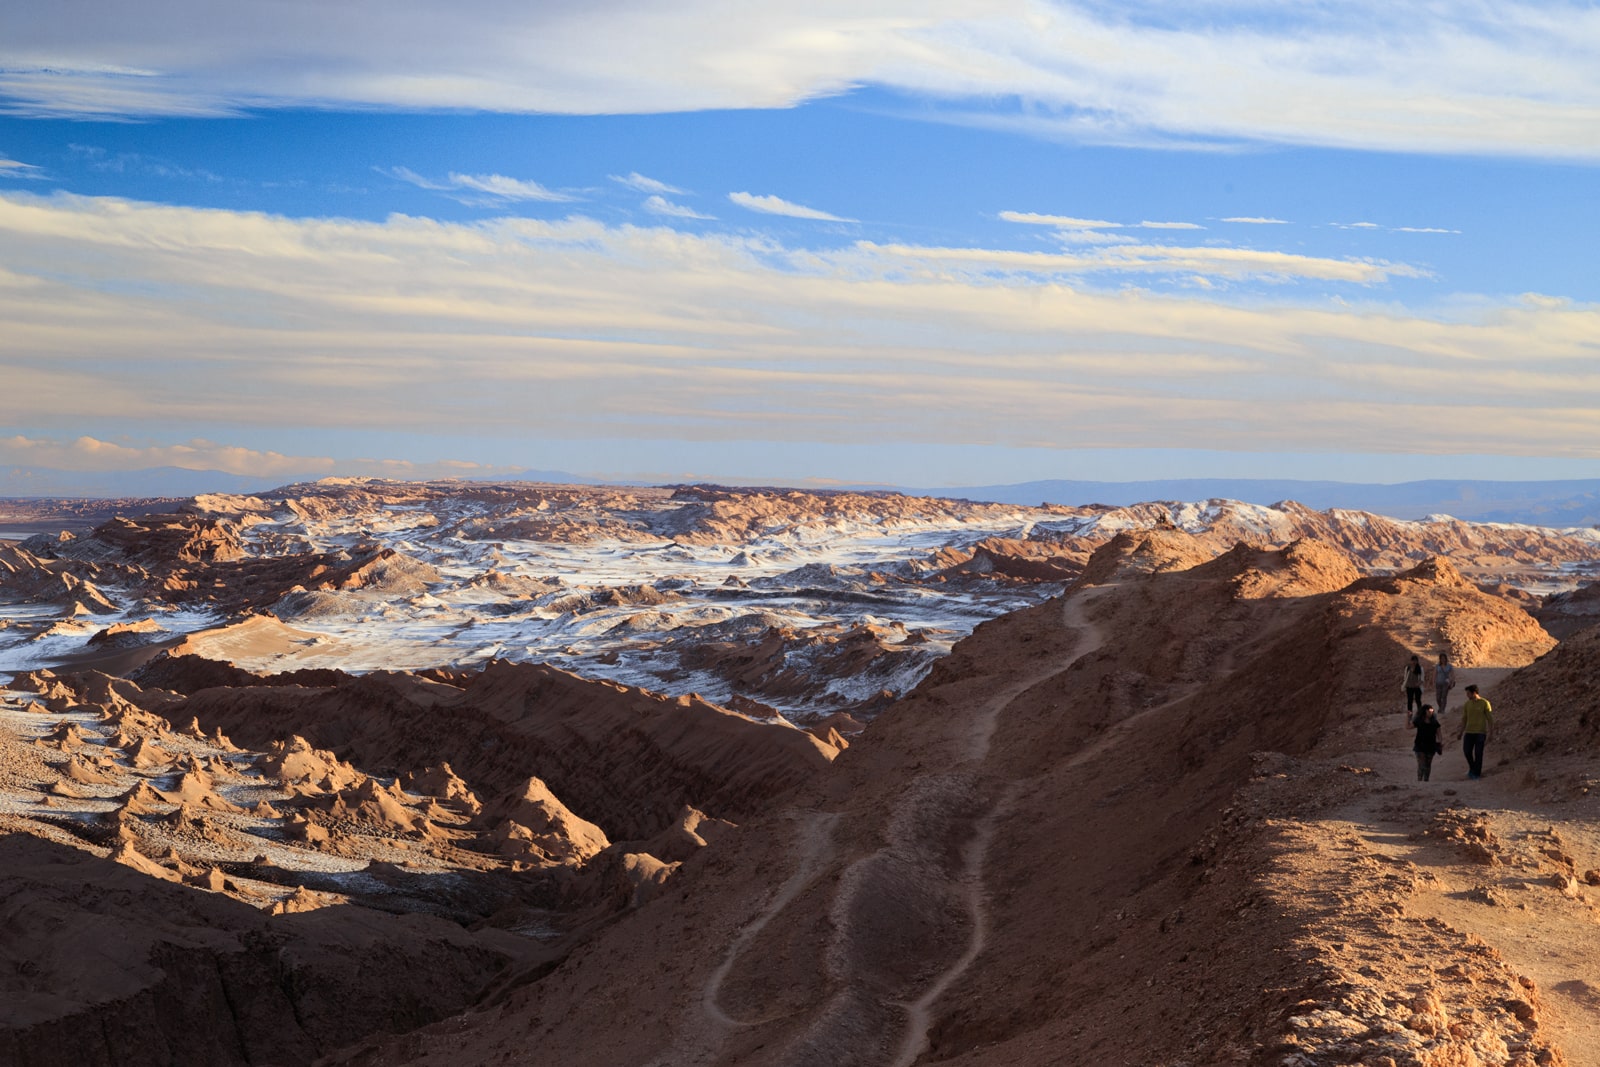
<point>365,772</point>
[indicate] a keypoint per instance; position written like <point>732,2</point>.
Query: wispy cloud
<point>1065,222</point>
<point>87,453</point>
<point>500,189</point>
<point>156,315</point>
<point>1517,78</point>
<point>11,168</point>
<point>1257,220</point>
<point>481,190</point>
<point>91,454</point>
<point>1094,237</point>
<point>1208,261</point>
<point>138,163</point>
<point>772,205</point>
<point>635,180</point>
<point>1147,225</point>
<point>660,205</point>
<point>1377,226</point>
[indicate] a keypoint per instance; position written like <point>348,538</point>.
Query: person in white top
<point>1444,680</point>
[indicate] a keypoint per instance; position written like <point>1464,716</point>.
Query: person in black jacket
<point>1427,743</point>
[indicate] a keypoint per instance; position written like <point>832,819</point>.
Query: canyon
<point>380,772</point>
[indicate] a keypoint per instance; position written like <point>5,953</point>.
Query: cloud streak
<point>87,453</point>
<point>773,205</point>
<point>159,316</point>
<point>91,454</point>
<point>1063,222</point>
<point>1517,78</point>
<point>638,182</point>
<point>1208,261</point>
<point>481,190</point>
<point>660,205</point>
<point>11,168</point>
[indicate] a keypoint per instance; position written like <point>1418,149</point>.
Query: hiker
<point>1427,745</point>
<point>1477,721</point>
<point>1413,685</point>
<point>1444,680</point>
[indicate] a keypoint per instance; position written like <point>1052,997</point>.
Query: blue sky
<point>940,243</point>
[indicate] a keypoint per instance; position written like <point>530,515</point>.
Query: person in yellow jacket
<point>1477,722</point>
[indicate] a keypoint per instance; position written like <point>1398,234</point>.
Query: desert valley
<point>365,772</point>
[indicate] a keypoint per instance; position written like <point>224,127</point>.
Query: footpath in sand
<point>1454,906</point>
<point>931,862</point>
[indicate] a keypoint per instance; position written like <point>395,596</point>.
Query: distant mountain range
<point>42,482</point>
<point>1549,503</point>
<point>1555,503</point>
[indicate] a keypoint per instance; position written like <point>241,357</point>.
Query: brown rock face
<point>1553,706</point>
<point>132,969</point>
<point>531,823</point>
<point>623,759</point>
<point>1146,552</point>
<point>1565,614</point>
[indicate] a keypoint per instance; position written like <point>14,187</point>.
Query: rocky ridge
<point>1166,813</point>
<point>1107,831</point>
<point>785,602</point>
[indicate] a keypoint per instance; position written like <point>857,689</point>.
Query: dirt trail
<point>907,919</point>
<point>920,1018</point>
<point>1500,860</point>
<point>815,833</point>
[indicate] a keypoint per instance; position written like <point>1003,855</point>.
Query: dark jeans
<point>1442,695</point>
<point>1414,699</point>
<point>1424,765</point>
<point>1472,745</point>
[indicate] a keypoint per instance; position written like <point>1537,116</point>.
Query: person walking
<point>1413,685</point>
<point>1427,745</point>
<point>1477,722</point>
<point>1444,680</point>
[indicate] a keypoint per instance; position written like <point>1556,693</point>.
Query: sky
<point>931,243</point>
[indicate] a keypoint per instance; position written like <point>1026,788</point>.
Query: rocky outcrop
<point>621,758</point>
<point>1565,614</point>
<point>176,976</point>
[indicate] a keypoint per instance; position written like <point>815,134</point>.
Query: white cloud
<point>87,453</point>
<point>500,188</point>
<point>11,168</point>
<point>660,205</point>
<point>1422,229</point>
<point>1065,222</point>
<point>772,205</point>
<point>137,163</point>
<point>1355,225</point>
<point>1094,237</point>
<point>1257,220</point>
<point>1147,225</point>
<point>161,316</point>
<point>1455,76</point>
<point>635,180</point>
<point>481,190</point>
<point>91,454</point>
<point>1217,262</point>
